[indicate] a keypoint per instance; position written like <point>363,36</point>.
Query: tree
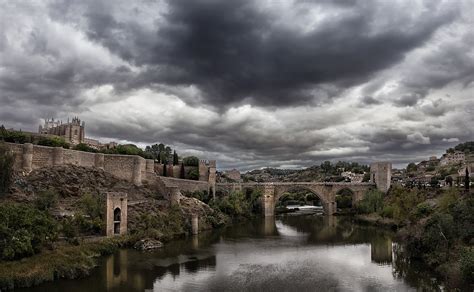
<point>175,158</point>
<point>191,161</point>
<point>182,174</point>
<point>449,180</point>
<point>412,167</point>
<point>165,165</point>
<point>466,179</point>
<point>6,168</point>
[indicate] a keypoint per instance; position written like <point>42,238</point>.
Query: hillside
<point>326,171</point>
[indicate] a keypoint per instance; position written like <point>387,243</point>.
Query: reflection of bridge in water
<point>331,230</point>
<point>138,271</point>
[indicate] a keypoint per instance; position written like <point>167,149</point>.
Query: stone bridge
<point>325,191</point>
<point>380,176</point>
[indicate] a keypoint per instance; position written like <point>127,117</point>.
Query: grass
<point>65,261</point>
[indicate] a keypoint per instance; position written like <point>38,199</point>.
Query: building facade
<point>72,132</point>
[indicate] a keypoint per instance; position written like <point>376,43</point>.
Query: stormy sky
<point>280,83</point>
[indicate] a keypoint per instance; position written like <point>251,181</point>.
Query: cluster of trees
<point>439,232</point>
<point>21,138</point>
<point>6,168</point>
<point>467,147</point>
<point>336,169</point>
<point>162,153</point>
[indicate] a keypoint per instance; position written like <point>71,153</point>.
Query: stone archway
<point>280,191</point>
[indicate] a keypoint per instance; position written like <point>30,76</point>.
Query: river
<point>287,253</point>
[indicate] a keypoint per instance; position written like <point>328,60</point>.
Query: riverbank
<point>436,227</point>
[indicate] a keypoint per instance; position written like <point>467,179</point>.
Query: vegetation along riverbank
<point>436,227</point>
<point>52,221</point>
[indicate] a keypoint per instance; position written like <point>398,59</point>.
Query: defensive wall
<point>132,168</point>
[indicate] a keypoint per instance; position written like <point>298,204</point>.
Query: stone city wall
<point>29,157</point>
<point>186,185</point>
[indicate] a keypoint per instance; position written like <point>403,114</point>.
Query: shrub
<point>24,231</point>
<point>387,211</point>
<point>46,199</point>
<point>6,168</point>
<point>372,202</point>
<point>84,147</point>
<point>237,204</point>
<point>53,142</point>
<point>193,174</point>
<point>423,210</point>
<point>467,264</point>
<point>14,136</point>
<point>191,161</point>
<point>448,199</point>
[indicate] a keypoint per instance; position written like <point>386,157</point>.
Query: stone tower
<point>381,175</point>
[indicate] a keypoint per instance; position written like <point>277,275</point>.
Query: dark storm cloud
<point>234,51</point>
<point>408,100</point>
<point>369,100</point>
<point>250,83</point>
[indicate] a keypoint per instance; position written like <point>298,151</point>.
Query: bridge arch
<point>281,191</point>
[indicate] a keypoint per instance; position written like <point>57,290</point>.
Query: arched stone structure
<point>326,192</point>
<point>116,214</point>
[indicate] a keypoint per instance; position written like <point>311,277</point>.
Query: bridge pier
<point>268,200</point>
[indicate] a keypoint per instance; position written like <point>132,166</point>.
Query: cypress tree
<point>182,174</point>
<point>466,179</point>
<point>164,168</point>
<point>175,158</point>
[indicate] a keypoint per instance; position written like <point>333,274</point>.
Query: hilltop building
<point>452,158</point>
<point>73,132</point>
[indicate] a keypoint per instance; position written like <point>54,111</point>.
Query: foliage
<point>191,161</point>
<point>46,199</point>
<point>162,226</point>
<point>193,174</point>
<point>465,147</point>
<point>344,199</point>
<point>403,202</point>
<point>14,136</point>
<point>175,158</point>
<point>237,204</point>
<point>84,147</point>
<point>203,196</point>
<point>6,168</point>
<point>182,173</point>
<point>467,264</point>
<point>371,203</point>
<point>448,199</point>
<point>412,167</point>
<point>53,142</point>
<point>24,230</point>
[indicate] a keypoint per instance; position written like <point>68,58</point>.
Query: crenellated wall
<point>131,168</point>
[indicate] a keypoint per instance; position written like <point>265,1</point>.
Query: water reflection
<point>270,254</point>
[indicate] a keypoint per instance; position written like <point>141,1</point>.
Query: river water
<point>286,253</point>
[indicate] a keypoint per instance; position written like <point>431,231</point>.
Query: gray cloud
<point>288,83</point>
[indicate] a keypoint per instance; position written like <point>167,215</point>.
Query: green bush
<point>53,142</point>
<point>387,211</point>
<point>237,204</point>
<point>6,168</point>
<point>371,203</point>
<point>448,199</point>
<point>14,136</point>
<point>191,161</point>
<point>467,264</point>
<point>46,199</point>
<point>24,231</point>
<point>193,174</point>
<point>423,209</point>
<point>84,147</point>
